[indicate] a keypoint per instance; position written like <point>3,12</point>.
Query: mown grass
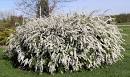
<point>120,69</point>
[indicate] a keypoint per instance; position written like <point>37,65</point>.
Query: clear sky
<point>7,5</point>
<point>115,6</point>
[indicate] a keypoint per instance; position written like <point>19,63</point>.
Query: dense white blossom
<point>66,42</point>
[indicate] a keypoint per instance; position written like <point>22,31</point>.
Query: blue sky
<point>115,6</point>
<point>7,5</point>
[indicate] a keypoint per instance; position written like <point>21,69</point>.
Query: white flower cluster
<point>66,43</point>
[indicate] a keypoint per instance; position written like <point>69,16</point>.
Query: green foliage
<point>7,26</point>
<point>122,18</point>
<point>4,35</point>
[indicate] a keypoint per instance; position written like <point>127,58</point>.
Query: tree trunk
<point>42,8</point>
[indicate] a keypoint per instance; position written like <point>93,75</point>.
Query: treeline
<point>122,18</point>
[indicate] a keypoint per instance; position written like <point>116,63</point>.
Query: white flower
<point>67,42</point>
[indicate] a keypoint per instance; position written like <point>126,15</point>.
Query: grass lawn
<point>120,69</point>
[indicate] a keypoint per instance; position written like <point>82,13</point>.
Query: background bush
<point>4,34</point>
<point>65,43</point>
<point>122,18</point>
<point>7,26</point>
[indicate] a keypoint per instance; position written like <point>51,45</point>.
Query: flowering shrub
<point>66,43</point>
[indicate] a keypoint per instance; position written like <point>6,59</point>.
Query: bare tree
<point>42,8</point>
<point>38,7</point>
<point>7,14</point>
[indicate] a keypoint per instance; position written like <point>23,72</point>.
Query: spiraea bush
<point>66,43</point>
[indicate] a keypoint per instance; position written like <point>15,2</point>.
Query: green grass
<point>120,69</point>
